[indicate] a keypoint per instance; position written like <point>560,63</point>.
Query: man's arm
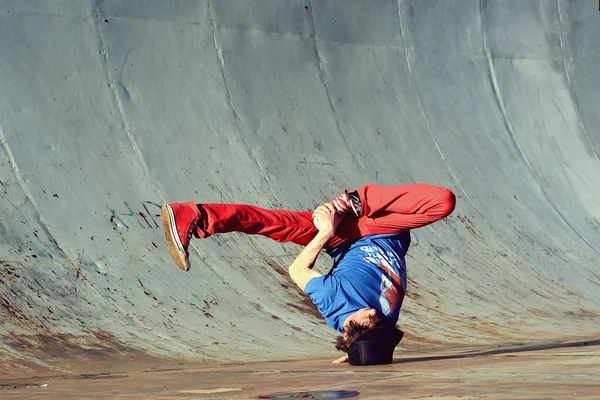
<point>301,269</point>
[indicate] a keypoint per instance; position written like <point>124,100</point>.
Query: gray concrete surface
<point>109,108</point>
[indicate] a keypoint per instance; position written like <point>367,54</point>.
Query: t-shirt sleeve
<point>321,291</point>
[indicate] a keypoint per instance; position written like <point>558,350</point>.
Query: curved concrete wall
<point>110,108</point>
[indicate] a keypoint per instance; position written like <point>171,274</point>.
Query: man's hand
<point>341,360</point>
<point>326,219</point>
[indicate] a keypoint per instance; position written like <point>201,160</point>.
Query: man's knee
<point>447,202</point>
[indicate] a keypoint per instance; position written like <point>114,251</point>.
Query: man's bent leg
<point>389,209</point>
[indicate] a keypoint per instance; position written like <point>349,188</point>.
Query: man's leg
<point>392,209</point>
<point>183,220</point>
<point>279,225</point>
<point>385,209</point>
<point>402,207</point>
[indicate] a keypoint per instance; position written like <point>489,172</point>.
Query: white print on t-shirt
<point>393,277</point>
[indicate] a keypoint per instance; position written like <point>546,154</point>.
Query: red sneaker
<point>180,221</point>
<point>347,202</point>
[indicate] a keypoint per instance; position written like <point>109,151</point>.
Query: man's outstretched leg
<point>182,220</point>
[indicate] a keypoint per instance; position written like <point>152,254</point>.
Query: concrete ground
<point>556,371</point>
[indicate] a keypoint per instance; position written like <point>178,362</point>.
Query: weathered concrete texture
<point>109,108</point>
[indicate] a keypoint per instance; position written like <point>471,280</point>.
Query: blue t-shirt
<point>367,273</point>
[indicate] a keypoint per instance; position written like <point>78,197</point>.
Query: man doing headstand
<point>365,231</point>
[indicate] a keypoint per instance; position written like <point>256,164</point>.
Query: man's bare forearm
<point>309,254</point>
<point>301,269</point>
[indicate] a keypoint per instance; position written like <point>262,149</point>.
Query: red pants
<point>385,209</point>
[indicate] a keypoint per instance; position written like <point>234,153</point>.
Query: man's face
<point>366,317</point>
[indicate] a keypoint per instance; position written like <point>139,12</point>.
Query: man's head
<point>368,338</point>
<point>357,323</point>
<point>365,317</point>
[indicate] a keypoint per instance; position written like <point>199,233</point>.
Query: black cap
<point>375,346</point>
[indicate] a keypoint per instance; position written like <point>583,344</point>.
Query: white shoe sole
<point>174,245</point>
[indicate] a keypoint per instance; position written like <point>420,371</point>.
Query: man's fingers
<point>329,206</point>
<point>325,209</point>
<point>325,218</point>
<point>341,360</point>
<point>321,211</point>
